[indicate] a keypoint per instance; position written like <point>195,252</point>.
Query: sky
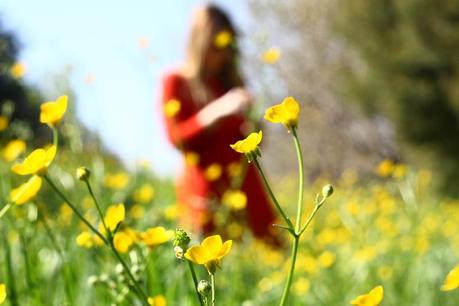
<point>114,53</point>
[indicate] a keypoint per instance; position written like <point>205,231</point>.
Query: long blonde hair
<point>206,23</point>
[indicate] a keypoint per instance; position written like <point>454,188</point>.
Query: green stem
<point>9,268</point>
<point>212,282</point>
<point>25,256</point>
<point>288,284</point>
<point>55,136</point>
<point>195,281</point>
<point>299,155</point>
<point>96,203</point>
<point>5,209</point>
<point>75,210</point>
<point>273,197</point>
<point>135,283</point>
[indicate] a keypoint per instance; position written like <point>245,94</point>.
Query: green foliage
<point>409,71</point>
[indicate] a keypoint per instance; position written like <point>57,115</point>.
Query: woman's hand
<point>237,100</point>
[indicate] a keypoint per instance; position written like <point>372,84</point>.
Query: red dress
<point>195,191</point>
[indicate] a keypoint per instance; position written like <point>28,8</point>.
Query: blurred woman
<point>205,107</point>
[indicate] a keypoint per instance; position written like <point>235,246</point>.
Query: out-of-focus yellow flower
<point>249,145</point>
<point>137,211</point>
<point>286,113</point>
<point>301,286</point>
<point>53,111</point>
<point>452,280</point>
<point>123,241</point>
<point>2,293</point>
<point>372,298</point>
<point>223,39</point>
<point>235,199</point>
<point>158,300</point>
<point>65,215</point>
<point>385,272</point>
<point>4,121</point>
<point>18,70</point>
<point>116,181</point>
<point>326,259</point>
<point>13,149</point>
<point>399,171</point>
<point>213,172</point>
<point>144,194</point>
<point>271,56</point>
<point>36,162</point>
<point>385,168</point>
<point>115,215</point>
<point>209,253</point>
<point>85,240</point>
<point>172,108</point>
<point>191,158</point>
<point>26,191</point>
<point>171,212</point>
<point>155,236</point>
<point>234,169</point>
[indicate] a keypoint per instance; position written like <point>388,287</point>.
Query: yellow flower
<point>4,121</point>
<point>155,236</point>
<point>172,107</point>
<point>249,145</point>
<point>209,253</point>
<point>158,300</point>
<point>234,169</point>
<point>53,111</point>
<point>326,259</point>
<point>13,149</point>
<point>123,241</point>
<point>116,181</point>
<point>144,194</point>
<point>372,298</point>
<point>286,113</point>
<point>2,293</point>
<point>223,39</point>
<point>452,280</point>
<point>18,70</point>
<point>36,162</point>
<point>385,168</point>
<point>85,240</point>
<point>115,215</point>
<point>191,158</point>
<point>235,199</point>
<point>271,56</point>
<point>26,191</point>
<point>213,172</point>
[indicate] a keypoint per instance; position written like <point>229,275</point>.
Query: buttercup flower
<point>213,172</point>
<point>13,149</point>
<point>249,145</point>
<point>286,113</point>
<point>83,174</point>
<point>372,298</point>
<point>223,39</point>
<point>36,163</point>
<point>117,180</point>
<point>115,215</point>
<point>53,111</point>
<point>158,300</point>
<point>209,253</point>
<point>155,236</point>
<point>18,70</point>
<point>26,191</point>
<point>271,56</point>
<point>2,293</point>
<point>452,280</point>
<point>235,199</point>
<point>123,241</point>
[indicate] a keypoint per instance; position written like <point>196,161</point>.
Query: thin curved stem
<point>271,194</point>
<point>212,282</point>
<point>75,210</point>
<point>300,181</point>
<point>288,284</point>
<point>195,281</point>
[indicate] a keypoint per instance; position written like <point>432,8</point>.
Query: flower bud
<point>83,174</point>
<point>204,287</point>
<point>178,252</point>
<point>181,239</point>
<point>327,190</point>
